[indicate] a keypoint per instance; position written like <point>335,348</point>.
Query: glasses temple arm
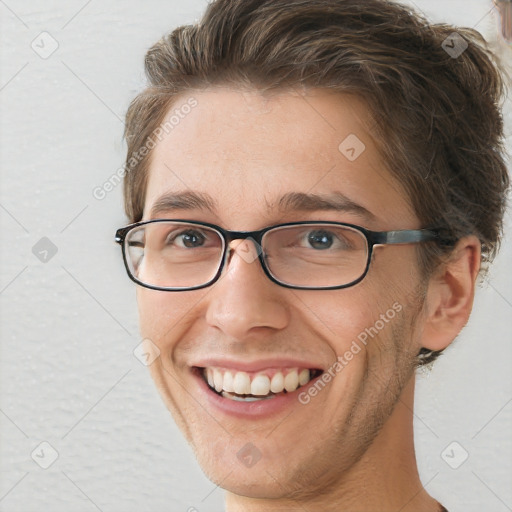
<point>404,236</point>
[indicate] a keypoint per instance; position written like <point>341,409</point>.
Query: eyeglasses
<point>179,255</point>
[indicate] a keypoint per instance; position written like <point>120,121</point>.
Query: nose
<point>244,298</point>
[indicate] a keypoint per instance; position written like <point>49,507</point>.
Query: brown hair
<point>436,112</point>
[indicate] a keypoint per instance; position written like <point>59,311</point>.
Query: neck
<point>385,478</point>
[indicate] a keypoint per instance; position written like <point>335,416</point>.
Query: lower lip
<point>257,408</point>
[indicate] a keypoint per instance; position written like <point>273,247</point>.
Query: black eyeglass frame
<point>403,236</point>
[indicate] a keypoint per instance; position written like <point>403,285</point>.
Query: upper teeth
<point>259,384</point>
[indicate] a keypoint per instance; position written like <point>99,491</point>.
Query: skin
<point>351,447</point>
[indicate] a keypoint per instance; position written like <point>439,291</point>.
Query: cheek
<point>164,315</point>
<point>369,310</point>
<point>340,317</point>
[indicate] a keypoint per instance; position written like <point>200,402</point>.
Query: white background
<point>68,375</point>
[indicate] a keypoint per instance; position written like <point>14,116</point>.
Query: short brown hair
<point>437,115</point>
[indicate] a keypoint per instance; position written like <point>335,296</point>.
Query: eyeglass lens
<point>180,255</point>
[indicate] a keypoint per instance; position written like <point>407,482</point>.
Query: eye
<point>190,238</point>
<point>320,239</point>
<point>323,239</point>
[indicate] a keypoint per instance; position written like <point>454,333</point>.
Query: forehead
<point>243,151</point>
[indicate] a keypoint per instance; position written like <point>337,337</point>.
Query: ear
<point>450,294</point>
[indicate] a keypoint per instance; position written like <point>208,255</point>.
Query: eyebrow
<point>290,202</point>
<point>335,201</point>
<point>187,200</point>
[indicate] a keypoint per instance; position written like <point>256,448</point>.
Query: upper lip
<point>256,365</point>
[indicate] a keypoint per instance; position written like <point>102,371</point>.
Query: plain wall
<point>68,375</point>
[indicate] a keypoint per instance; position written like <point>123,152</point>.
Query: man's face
<point>246,151</point>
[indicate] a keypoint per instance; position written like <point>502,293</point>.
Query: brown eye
<point>190,238</point>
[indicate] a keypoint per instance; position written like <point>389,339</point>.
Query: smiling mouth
<point>250,387</point>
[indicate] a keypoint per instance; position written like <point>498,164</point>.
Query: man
<point>313,187</point>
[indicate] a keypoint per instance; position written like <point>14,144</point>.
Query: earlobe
<point>450,294</point>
